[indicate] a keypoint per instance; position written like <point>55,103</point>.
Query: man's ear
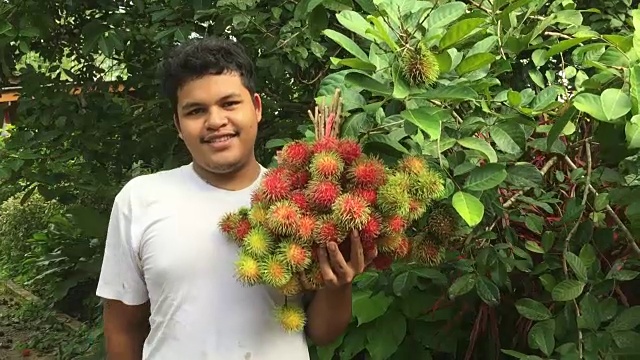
<point>257,104</point>
<point>176,123</point>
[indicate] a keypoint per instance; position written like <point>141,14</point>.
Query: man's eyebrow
<point>194,104</point>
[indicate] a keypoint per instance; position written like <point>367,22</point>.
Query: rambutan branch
<point>625,230</point>
<point>543,171</point>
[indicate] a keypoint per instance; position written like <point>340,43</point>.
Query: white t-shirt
<point>164,245</point>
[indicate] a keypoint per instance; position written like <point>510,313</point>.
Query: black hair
<point>199,57</point>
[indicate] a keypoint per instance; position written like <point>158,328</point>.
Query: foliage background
<point>534,120</point>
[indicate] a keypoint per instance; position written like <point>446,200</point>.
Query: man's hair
<point>197,58</point>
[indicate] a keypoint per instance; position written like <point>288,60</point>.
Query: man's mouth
<point>218,138</point>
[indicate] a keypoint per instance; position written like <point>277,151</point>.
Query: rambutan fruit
<point>393,196</point>
<point>296,256</point>
<point>442,222</point>
<point>306,229</point>
<point>295,155</point>
<point>247,269</point>
<point>299,198</point>
<point>243,227</point>
<point>349,150</point>
<point>326,166</point>
<point>275,185</point>
<point>412,165</point>
<point>389,243</point>
<point>311,278</point>
<point>274,272</point>
<point>416,209</point>
<point>367,172</point>
<point>429,185</point>
<point>292,288</point>
<point>427,252</point>
<point>299,179</point>
<point>325,144</point>
<point>258,242</point>
<point>369,195</point>
<point>327,230</point>
<point>403,249</point>
<point>351,211</point>
<point>395,224</point>
<point>419,65</point>
<point>322,194</point>
<point>228,223</point>
<point>382,262</point>
<point>258,214</point>
<point>283,218</point>
<point>257,196</point>
<point>291,318</point>
<point>371,229</point>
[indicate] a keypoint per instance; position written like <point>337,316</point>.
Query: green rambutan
<point>427,252</point>
<point>367,172</point>
<point>275,185</point>
<point>427,186</point>
<point>327,230</point>
<point>349,150</point>
<point>443,223</point>
<point>258,242</point>
<point>247,269</point>
<point>283,218</point>
<point>389,243</point>
<point>326,166</point>
<point>291,318</point>
<point>295,155</point>
<point>351,211</point>
<point>395,224</point>
<point>274,272</point>
<point>369,195</point>
<point>412,165</point>
<point>291,288</point>
<point>258,214</point>
<point>393,196</point>
<point>322,194</point>
<point>296,256</point>
<point>419,65</point>
<point>416,209</point>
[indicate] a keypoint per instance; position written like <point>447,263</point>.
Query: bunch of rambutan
<point>319,192</point>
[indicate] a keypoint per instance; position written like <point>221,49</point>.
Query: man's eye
<point>231,103</point>
<point>195,111</point>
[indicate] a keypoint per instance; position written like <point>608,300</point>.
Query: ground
<point>14,333</point>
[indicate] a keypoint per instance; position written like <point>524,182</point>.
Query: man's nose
<point>216,117</point>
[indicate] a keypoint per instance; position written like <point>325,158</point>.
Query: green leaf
<point>353,21</point>
<point>462,285</point>
<point>459,31</point>
<point>401,88</point>
<point>615,103</point>
<point>589,313</point>
<point>450,92</point>
<point>403,282</point>
<point>368,83</point>
<point>486,177</point>
<point>367,308</point>
<point>632,132</point>
<point>509,137</point>
<point>488,291</point>
<point>432,274</point>
<point>628,319</point>
<point>347,44</point>
<point>590,104</point>
<point>558,126</point>
<point>382,344</point>
<point>545,98</point>
<point>541,336</point>
<point>567,290</point>
<point>564,45</point>
<point>469,207</point>
<point>443,15</point>
<point>479,145</point>
<point>5,26</point>
<point>533,247</point>
<point>386,140</point>
<point>534,223</point>
<point>427,118</point>
<point>577,266</point>
<point>587,255</point>
<point>524,175</point>
<point>475,62</point>
<point>532,309</point>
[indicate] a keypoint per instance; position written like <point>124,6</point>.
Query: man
<point>168,273</point>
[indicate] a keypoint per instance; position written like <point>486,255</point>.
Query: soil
<point>11,336</point>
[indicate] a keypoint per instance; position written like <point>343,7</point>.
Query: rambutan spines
<point>425,251</point>
<point>393,196</point>
<point>322,194</point>
<point>326,165</point>
<point>349,150</point>
<point>283,218</point>
<point>291,318</point>
<point>247,269</point>
<point>295,155</point>
<point>258,242</point>
<point>351,211</point>
<point>275,185</point>
<point>274,272</point>
<point>296,256</point>
<point>291,288</point>
<point>328,230</point>
<point>367,172</point>
<point>442,223</point>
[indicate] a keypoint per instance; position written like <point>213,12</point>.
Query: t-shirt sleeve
<point>121,277</point>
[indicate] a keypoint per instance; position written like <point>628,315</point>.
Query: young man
<point>168,273</point>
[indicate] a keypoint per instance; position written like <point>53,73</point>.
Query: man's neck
<point>232,181</point>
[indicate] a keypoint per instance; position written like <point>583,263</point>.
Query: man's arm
<point>125,329</point>
<point>329,312</point>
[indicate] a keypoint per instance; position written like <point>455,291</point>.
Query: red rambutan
<point>403,248</point>
<point>299,179</point>
<point>371,229</point>
<point>296,256</point>
<point>275,185</point>
<point>327,230</point>
<point>325,144</point>
<point>395,224</point>
<point>322,194</point>
<point>257,196</point>
<point>299,198</point>
<point>295,155</point>
<point>283,218</point>
<point>369,195</point>
<point>351,211</point>
<point>367,172</point>
<point>326,166</point>
<point>349,150</point>
<point>228,222</point>
<point>242,229</point>
<point>306,229</point>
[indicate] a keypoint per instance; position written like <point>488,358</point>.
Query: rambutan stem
<point>326,119</point>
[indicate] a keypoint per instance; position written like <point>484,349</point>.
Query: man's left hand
<point>336,271</point>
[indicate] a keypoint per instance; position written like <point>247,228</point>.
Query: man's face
<point>218,121</point>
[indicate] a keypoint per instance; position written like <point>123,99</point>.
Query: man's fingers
<point>338,263</point>
<point>325,267</point>
<point>357,253</point>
